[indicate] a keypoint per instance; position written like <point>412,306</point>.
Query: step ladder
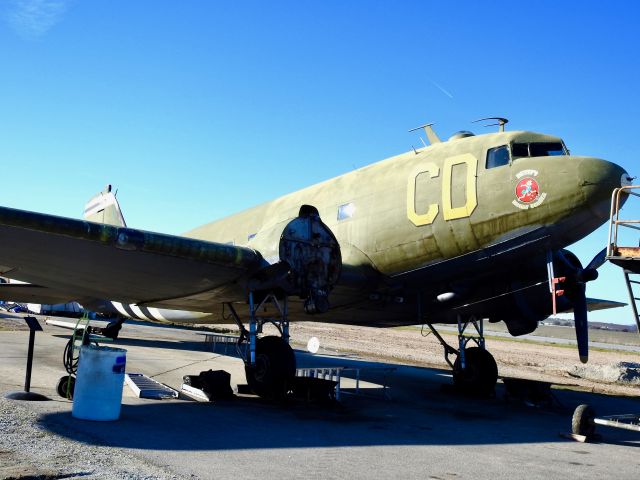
<point>145,387</point>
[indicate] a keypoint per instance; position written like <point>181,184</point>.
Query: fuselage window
<point>538,149</point>
<point>497,156</point>
<point>346,211</point>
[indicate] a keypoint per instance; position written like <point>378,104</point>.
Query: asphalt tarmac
<point>424,431</point>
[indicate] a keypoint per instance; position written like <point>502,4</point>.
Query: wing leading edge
<point>124,264</point>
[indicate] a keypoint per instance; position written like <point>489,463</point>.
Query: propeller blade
<point>598,260</point>
<point>576,280</point>
<point>580,320</point>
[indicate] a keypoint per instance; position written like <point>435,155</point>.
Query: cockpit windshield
<point>503,155</point>
<point>538,149</point>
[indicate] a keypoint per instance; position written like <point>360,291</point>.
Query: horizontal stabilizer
<point>594,304</point>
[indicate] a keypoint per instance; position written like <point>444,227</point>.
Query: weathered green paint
<point>411,211</point>
<point>128,239</point>
<point>381,234</point>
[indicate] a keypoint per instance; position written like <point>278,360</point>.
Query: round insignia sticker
<point>528,194</point>
<point>527,190</point>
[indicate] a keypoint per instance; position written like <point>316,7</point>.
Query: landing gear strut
<point>270,363</point>
<point>309,266</point>
<point>474,369</point>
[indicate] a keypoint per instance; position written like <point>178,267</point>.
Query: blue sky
<point>195,110</point>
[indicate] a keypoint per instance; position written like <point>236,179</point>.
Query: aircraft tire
<point>582,421</point>
<point>65,383</point>
<point>275,367</point>
<point>480,375</point>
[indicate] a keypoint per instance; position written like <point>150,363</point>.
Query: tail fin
<point>104,208</point>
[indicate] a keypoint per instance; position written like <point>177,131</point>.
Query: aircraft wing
<point>86,259</point>
<point>484,259</point>
<point>28,293</point>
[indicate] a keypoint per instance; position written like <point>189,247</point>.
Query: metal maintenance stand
<point>584,421</point>
<point>34,327</point>
<point>627,258</point>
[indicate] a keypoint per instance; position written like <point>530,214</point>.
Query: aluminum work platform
<point>336,374</point>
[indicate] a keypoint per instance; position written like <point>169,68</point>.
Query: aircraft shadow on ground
<point>421,414</point>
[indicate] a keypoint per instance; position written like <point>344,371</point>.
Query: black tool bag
<point>216,384</point>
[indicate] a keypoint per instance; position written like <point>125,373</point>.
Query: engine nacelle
<point>528,306</point>
<point>304,259</point>
<point>312,252</point>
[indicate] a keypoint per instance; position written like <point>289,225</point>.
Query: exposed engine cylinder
<point>313,253</point>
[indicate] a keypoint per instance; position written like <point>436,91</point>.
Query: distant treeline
<point>564,322</point>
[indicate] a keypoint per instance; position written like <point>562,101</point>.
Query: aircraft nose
<point>599,172</point>
<point>598,178</point>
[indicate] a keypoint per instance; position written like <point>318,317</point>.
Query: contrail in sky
<point>34,18</point>
<point>441,89</point>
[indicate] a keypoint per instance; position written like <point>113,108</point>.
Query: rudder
<point>104,208</point>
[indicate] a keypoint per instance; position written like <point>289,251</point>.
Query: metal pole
<point>615,424</point>
<point>461,342</point>
<point>252,331</point>
<point>632,300</point>
<point>27,381</point>
<point>285,319</point>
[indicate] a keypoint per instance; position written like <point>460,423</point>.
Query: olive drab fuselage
<point>440,202</point>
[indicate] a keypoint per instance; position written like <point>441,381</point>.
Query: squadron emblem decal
<point>528,193</point>
<point>527,190</point>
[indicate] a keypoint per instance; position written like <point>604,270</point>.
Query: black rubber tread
<point>62,386</point>
<point>480,374</point>
<point>582,421</point>
<point>275,367</point>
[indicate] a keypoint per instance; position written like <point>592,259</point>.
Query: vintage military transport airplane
<point>462,230</point>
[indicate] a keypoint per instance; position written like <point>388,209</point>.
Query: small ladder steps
<point>145,387</point>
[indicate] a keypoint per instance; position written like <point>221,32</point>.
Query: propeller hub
<point>587,275</point>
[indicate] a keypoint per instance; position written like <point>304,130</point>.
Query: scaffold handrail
<point>614,219</point>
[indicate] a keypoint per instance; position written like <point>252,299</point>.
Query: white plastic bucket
<point>98,391</point>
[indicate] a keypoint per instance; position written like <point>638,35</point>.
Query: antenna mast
<point>501,122</point>
<point>431,135</point>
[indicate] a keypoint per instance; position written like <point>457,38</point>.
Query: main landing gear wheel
<point>480,373</point>
<point>274,368</point>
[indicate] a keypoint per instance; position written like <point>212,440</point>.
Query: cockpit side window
<point>498,156</point>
